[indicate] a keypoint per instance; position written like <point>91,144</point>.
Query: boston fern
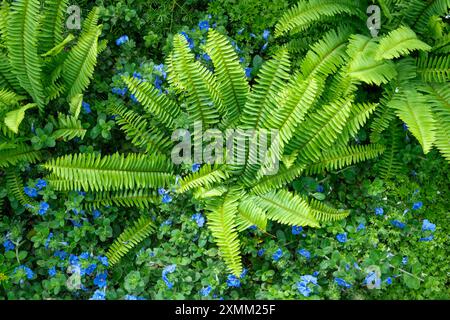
<point>409,58</point>
<point>314,117</point>
<point>42,68</point>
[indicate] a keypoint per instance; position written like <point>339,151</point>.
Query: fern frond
<point>322,212</point>
<point>165,110</point>
<point>398,43</point>
<point>14,118</point>
<point>22,152</point>
<point>230,76</point>
<point>389,165</point>
<point>22,44</point>
<point>152,140</point>
<point>52,25</point>
<point>434,68</point>
<point>286,208</point>
<point>130,198</point>
<point>221,220</point>
<point>341,157</point>
<point>249,214</point>
<point>14,184</point>
<point>276,181</point>
<point>129,239</point>
<point>206,176</point>
<point>359,114</point>
<point>305,13</point>
<point>113,172</point>
<point>68,128</point>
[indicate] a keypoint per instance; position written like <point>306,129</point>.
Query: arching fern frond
<point>322,212</point>
<point>22,152</point>
<point>249,214</point>
<point>52,26</point>
<point>142,199</point>
<point>276,181</point>
<point>114,172</point>
<point>14,184</point>
<point>389,165</point>
<point>206,176</point>
<point>129,239</point>
<point>434,68</point>
<point>68,128</point>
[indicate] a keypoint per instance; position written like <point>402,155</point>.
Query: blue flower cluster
<point>199,219</point>
<point>303,285</point>
<point>166,198</point>
<point>9,245</point>
<point>169,269</point>
<point>123,39</point>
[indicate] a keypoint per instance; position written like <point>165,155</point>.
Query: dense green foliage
<point>91,205</point>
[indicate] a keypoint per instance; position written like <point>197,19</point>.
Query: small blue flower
<point>429,238</point>
<point>252,228</point>
<point>90,269</point>
<point>103,260</point>
<point>277,255</point>
<point>203,25</point>
<point>361,226</point>
<point>158,83</point>
<point>204,292</point>
<point>100,280</point>
<point>43,208</point>
<point>28,272</point>
<point>405,127</point>
<point>248,72</point>
<point>315,273</point>
<point>305,253</point>
<point>342,237</point>
<point>199,219</point>
<point>31,192</point>
<point>86,107</point>
<point>120,91</point>
<point>303,288</point>
<point>398,224</point>
<point>342,283</point>
<point>60,254</point>
<point>52,271</point>
<point>168,222</point>
<point>162,191</point>
<point>309,279</point>
<point>160,68</point>
<point>120,41</point>
<point>84,255</point>
<point>137,75</point>
<point>379,211</point>
<point>166,198</point>
<point>388,280</point>
<point>47,241</point>
<point>169,269</point>
<point>233,281</point>
<point>40,184</point>
<point>96,214</point>
<point>195,167</point>
<point>320,188</point>
<point>264,47</point>
<point>428,226</point>
<point>296,230</point>
<point>404,260</point>
<point>189,40</point>
<point>417,205</point>
<point>9,245</point>
<point>260,252</point>
<point>266,34</point>
<point>98,295</point>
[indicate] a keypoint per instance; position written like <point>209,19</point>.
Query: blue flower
<point>103,260</point>
<point>96,214</point>
<point>243,273</point>
<point>428,226</point>
<point>417,205</point>
<point>189,40</point>
<point>195,167</point>
<point>379,211</point>
<point>133,98</point>
<point>169,269</point>
<point>47,241</point>
<point>260,252</point>
<point>405,127</point>
<point>131,297</point>
<point>90,269</point>
<point>204,292</point>
<point>31,192</point>
<point>203,25</point>
<point>84,255</point>
<point>315,273</point>
<point>120,91</point>
<point>248,72</point>
<point>43,208</point>
<point>160,68</point>
<point>199,219</point>
<point>60,254</point>
<point>40,184</point>
<point>162,191</point>
<point>320,188</point>
<point>429,238</point>
<point>305,253</point>
<point>309,279</point>
<point>158,83</point>
<point>166,198</point>
<point>252,228</point>
<point>168,222</point>
<point>398,224</point>
<point>296,230</point>
<point>361,226</point>
<point>86,107</point>
<point>9,245</point>
<point>266,34</point>
<point>342,237</point>
<point>98,295</point>
<point>233,281</point>
<point>277,255</point>
<point>28,272</point>
<point>264,47</point>
<point>404,260</point>
<point>52,271</point>
<point>303,288</point>
<point>137,75</point>
<point>100,280</point>
<point>74,260</point>
<point>120,41</point>
<point>388,280</point>
<point>342,283</point>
